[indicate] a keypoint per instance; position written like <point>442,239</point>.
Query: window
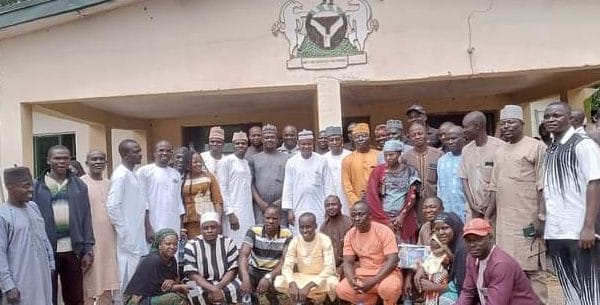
<point>42,143</point>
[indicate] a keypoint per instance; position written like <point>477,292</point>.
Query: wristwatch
<point>268,276</point>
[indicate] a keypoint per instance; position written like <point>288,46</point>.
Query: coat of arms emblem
<point>327,36</point>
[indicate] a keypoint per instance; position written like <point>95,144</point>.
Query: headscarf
<point>159,236</point>
<point>457,246</point>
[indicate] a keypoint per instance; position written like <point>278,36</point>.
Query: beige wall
<point>157,47</point>
<point>45,124</point>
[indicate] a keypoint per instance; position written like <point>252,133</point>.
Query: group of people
<point>315,218</point>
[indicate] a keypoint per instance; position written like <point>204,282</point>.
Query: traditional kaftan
<point>476,167</point>
<point>336,228</point>
<point>26,256</point>
<point>306,184</point>
<point>426,165</point>
<point>210,162</point>
<point>200,195</point>
<point>162,187</point>
<point>126,207</point>
<point>449,185</point>
<point>517,177</point>
<point>103,274</point>
<point>334,163</point>
<point>268,170</point>
<point>307,262</point>
<point>235,181</point>
<point>356,168</point>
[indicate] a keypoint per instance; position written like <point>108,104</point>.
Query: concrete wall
<point>45,124</point>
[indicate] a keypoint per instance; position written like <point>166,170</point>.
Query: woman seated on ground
<point>155,279</point>
<point>448,228</point>
<point>210,260</point>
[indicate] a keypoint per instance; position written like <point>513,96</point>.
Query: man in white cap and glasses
<point>211,261</point>
<point>235,180</point>
<point>516,199</point>
<point>334,158</point>
<point>307,182</point>
<point>216,139</point>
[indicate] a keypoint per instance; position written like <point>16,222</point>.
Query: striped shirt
<point>211,261</point>
<point>266,252</point>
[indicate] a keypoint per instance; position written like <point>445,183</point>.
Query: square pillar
<point>329,103</point>
<point>16,134</point>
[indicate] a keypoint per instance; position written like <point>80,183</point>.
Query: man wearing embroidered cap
<point>334,158</point>
<point>357,166</point>
<point>235,180</point>
<point>519,165</point>
<point>211,260</point>
<point>268,168</point>
<point>26,256</point>
<point>395,131</point>
<point>307,182</point>
<point>417,114</point>
<point>216,139</point>
<point>492,276</point>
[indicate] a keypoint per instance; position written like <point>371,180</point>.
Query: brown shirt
<point>426,165</point>
<point>336,229</point>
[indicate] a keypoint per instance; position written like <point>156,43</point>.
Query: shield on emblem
<point>326,26</point>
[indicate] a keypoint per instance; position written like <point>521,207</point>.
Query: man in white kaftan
<point>235,181</point>
<point>214,154</point>
<point>307,182</point>
<point>126,206</point>
<point>162,186</point>
<point>334,158</point>
<point>26,256</point>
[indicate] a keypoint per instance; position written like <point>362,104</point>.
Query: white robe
<point>306,184</point>
<point>334,164</point>
<point>210,162</point>
<point>162,187</point>
<point>126,206</point>
<point>26,256</point>
<point>235,181</point>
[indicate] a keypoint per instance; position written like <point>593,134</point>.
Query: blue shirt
<point>449,185</point>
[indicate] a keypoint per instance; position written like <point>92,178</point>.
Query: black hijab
<point>457,246</point>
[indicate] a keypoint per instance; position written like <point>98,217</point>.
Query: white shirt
<point>162,187</point>
<point>126,206</point>
<point>566,204</point>
<point>334,164</point>
<point>580,130</point>
<point>210,162</point>
<point>481,290</point>
<point>306,184</point>
<point>235,181</point>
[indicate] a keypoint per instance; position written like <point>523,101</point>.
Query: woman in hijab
<point>155,279</point>
<point>449,228</point>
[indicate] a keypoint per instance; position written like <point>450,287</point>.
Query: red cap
<point>477,226</point>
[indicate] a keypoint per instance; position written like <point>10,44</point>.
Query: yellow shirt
<point>356,169</point>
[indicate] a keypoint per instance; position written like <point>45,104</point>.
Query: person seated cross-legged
<point>311,254</point>
<point>370,261</point>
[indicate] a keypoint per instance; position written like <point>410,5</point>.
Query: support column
<point>16,135</point>
<point>329,103</point>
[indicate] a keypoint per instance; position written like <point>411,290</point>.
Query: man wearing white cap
<point>216,139</point>
<point>235,181</point>
<point>334,158</point>
<point>516,185</point>
<point>307,182</point>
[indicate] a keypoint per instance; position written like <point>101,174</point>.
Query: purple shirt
<point>504,282</point>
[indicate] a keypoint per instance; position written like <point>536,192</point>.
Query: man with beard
<point>424,158</point>
<point>64,203</point>
<point>417,114</point>
<point>268,170</point>
<point>101,282</point>
<point>307,182</point>
<point>492,275</point>
<point>216,139</point>
<point>26,256</point>
<point>357,166</point>
<point>334,158</point>
<point>235,180</point>
<point>380,136</point>
<point>261,256</point>
<point>519,165</point>
<point>578,121</point>
<point>449,185</point>
<point>370,261</point>
<point>162,187</point>
<point>308,272</point>
<point>127,210</point>
<point>477,163</point>
<point>322,146</point>
<point>177,161</point>
<point>572,197</point>
<point>335,226</point>
<point>290,140</point>
<point>350,144</point>
<point>256,145</point>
